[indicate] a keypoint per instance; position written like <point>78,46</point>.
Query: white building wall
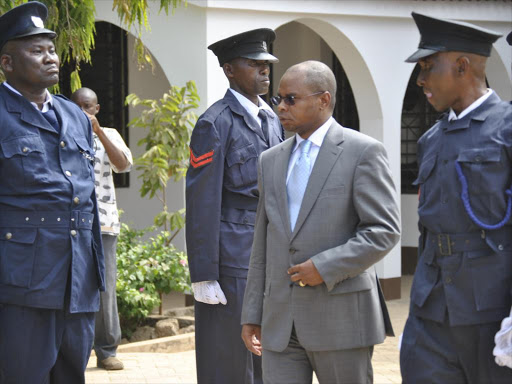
<point>177,43</point>
<point>370,38</point>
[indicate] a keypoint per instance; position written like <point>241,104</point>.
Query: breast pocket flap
<point>480,155</point>
<point>334,191</point>
<point>22,146</point>
<point>83,145</point>
<point>241,155</point>
<point>425,170</point>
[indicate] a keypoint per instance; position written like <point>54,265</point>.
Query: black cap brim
<point>261,56</point>
<point>420,54</point>
<point>37,31</point>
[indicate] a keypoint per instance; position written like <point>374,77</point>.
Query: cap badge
<point>265,45</point>
<point>37,22</point>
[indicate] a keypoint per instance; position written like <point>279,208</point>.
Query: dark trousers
<point>221,355</point>
<point>108,331</point>
<point>436,353</point>
<point>41,346</point>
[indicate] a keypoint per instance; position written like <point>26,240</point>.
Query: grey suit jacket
<point>348,221</point>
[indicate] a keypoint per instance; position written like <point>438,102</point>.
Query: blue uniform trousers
<point>221,355</point>
<point>437,353</point>
<point>44,346</point>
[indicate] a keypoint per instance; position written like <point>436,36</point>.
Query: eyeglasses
<point>290,100</point>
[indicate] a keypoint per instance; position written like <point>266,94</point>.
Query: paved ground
<point>179,368</point>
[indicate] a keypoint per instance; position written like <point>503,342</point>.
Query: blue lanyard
<point>465,200</point>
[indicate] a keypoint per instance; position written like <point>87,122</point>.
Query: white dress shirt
<point>48,103</point>
<point>478,102</point>
<point>249,106</point>
<point>317,138</point>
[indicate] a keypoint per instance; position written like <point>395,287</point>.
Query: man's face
<point>437,77</point>
<point>304,116</point>
<point>88,102</point>
<point>31,63</point>
<point>249,77</point>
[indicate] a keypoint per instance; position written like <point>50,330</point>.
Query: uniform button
<point>27,218</point>
<point>448,280</point>
<point>58,218</point>
<point>292,250</point>
<point>83,220</point>
<point>62,144</point>
<point>478,158</point>
<point>245,220</point>
<point>8,235</point>
<point>73,232</point>
<point>444,201</point>
<point>42,218</point>
<point>68,174</point>
<point>445,161</point>
<point>76,200</point>
<point>25,149</point>
<point>500,247</point>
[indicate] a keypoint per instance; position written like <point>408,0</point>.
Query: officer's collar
<point>479,114</point>
<point>47,105</point>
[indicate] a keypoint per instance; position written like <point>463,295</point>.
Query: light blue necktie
<point>298,182</point>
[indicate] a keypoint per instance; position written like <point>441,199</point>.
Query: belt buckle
<point>444,244</point>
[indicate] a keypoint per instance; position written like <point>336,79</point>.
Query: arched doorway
<point>296,43</point>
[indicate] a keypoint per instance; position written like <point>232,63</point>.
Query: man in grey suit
<point>327,213</point>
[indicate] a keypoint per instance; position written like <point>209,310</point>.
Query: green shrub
<point>145,270</point>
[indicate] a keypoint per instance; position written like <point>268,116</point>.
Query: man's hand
<point>94,122</point>
<point>209,292</point>
<point>305,272</point>
<point>251,335</point>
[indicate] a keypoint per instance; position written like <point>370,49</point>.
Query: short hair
<point>318,77</point>
<point>83,90</point>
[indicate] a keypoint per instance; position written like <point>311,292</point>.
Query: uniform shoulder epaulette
<point>60,96</point>
<point>214,110</point>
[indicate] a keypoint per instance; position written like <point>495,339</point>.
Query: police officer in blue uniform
<point>462,285</point>
<point>221,200</point>
<point>51,260</point>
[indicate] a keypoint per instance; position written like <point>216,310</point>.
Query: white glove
<point>503,340</point>
<point>209,292</point>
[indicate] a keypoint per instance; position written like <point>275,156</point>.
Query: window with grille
<point>417,117</point>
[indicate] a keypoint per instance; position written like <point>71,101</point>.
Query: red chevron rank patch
<point>197,162</point>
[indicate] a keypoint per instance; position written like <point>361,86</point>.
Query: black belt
<point>449,243</point>
<point>31,219</point>
<point>237,201</point>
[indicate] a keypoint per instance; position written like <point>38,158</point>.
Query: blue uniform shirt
<point>50,241</point>
<point>222,188</point>
<point>467,275</point>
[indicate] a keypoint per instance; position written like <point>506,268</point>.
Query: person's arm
<point>252,309</point>
<point>96,225</point>
<point>115,154</point>
<point>203,201</point>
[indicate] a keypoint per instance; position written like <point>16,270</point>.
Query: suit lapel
<point>280,171</point>
<point>327,157</point>
<point>276,136</point>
